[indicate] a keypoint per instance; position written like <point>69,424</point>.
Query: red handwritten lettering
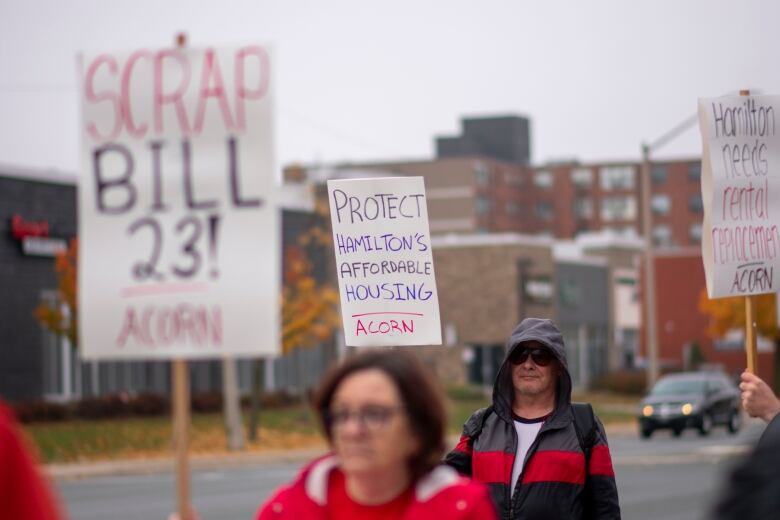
<point>153,326</point>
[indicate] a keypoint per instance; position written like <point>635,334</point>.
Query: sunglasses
<point>540,356</point>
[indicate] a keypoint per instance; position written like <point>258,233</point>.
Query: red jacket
<point>24,492</point>
<point>441,494</point>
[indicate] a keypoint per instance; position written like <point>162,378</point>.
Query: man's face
<point>534,369</point>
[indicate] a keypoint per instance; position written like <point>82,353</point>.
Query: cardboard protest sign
<point>384,262</point>
<point>740,185</point>
<point>177,222</point>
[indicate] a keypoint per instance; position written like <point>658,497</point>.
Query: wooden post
<point>750,318</point>
<point>181,413</point>
<point>750,334</point>
<point>181,437</point>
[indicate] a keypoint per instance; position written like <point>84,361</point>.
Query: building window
<point>618,208</point>
<point>617,177</point>
<point>543,211</point>
<point>60,362</point>
<point>481,173</point>
<point>695,204</point>
<point>538,289</point>
<point>662,235</point>
<point>543,179</point>
<point>659,173</point>
<point>694,233</point>
<point>582,177</point>
<point>660,204</point>
<point>583,208</point>
<point>694,171</point>
<point>569,293</point>
<point>483,205</point>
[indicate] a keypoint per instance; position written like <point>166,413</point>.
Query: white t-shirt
<point>527,430</point>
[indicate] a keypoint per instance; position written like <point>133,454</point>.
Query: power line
<point>287,111</point>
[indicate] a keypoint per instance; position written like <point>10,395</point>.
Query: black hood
<point>546,333</point>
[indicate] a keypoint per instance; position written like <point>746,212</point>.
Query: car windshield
<point>678,386</point>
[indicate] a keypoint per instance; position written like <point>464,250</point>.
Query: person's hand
<point>757,398</point>
<point>193,516</point>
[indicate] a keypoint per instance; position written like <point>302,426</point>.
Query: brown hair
<point>420,395</point>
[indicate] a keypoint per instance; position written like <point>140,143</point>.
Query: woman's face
<point>370,429</point>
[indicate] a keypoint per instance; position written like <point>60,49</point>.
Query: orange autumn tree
<point>61,317</point>
<point>309,308</point>
<point>729,313</point>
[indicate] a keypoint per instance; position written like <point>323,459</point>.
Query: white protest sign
<point>178,227</point>
<point>740,190</point>
<point>384,262</point>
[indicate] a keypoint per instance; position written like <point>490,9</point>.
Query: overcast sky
<point>370,80</point>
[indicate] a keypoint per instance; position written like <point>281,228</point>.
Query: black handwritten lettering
<point>379,205</point>
<point>745,120</point>
<point>753,280</point>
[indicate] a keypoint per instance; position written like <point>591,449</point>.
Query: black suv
<point>690,400</point>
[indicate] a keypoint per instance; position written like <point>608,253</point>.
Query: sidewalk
<point>213,461</point>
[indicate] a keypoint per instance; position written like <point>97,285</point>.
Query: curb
<point>156,465</point>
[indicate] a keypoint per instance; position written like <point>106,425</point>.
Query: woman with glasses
<point>384,420</point>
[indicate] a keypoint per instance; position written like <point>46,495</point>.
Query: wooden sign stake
<point>750,334</point>
<point>750,318</point>
<point>181,413</point>
<point>181,430</point>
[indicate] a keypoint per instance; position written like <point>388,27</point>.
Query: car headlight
<point>647,411</point>
<point>687,408</point>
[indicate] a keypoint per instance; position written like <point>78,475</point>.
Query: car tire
<point>735,422</point>
<point>645,432</point>
<point>676,432</point>
<point>705,424</point>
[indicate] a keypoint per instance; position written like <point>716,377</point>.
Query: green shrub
<point>149,405</point>
<point>38,411</point>
<point>205,402</point>
<point>633,382</point>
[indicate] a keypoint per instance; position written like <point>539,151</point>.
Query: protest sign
<point>740,184</point>
<point>384,262</point>
<point>177,220</point>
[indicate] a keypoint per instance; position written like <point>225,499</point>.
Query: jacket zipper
<point>531,450</point>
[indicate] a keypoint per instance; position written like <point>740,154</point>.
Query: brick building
<point>680,326</point>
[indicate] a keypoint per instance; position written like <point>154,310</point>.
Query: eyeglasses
<point>540,356</point>
<point>370,417</point>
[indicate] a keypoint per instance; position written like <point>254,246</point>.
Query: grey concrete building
<point>583,316</point>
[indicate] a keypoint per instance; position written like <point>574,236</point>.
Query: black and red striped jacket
<point>557,482</point>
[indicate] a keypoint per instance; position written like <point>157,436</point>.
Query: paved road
<point>662,479</point>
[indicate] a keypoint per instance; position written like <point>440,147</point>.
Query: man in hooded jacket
<point>538,456</point>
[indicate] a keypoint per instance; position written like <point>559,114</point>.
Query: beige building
<point>487,283</point>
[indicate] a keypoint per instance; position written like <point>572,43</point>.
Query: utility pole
<point>651,336</point>
<point>649,268</point>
